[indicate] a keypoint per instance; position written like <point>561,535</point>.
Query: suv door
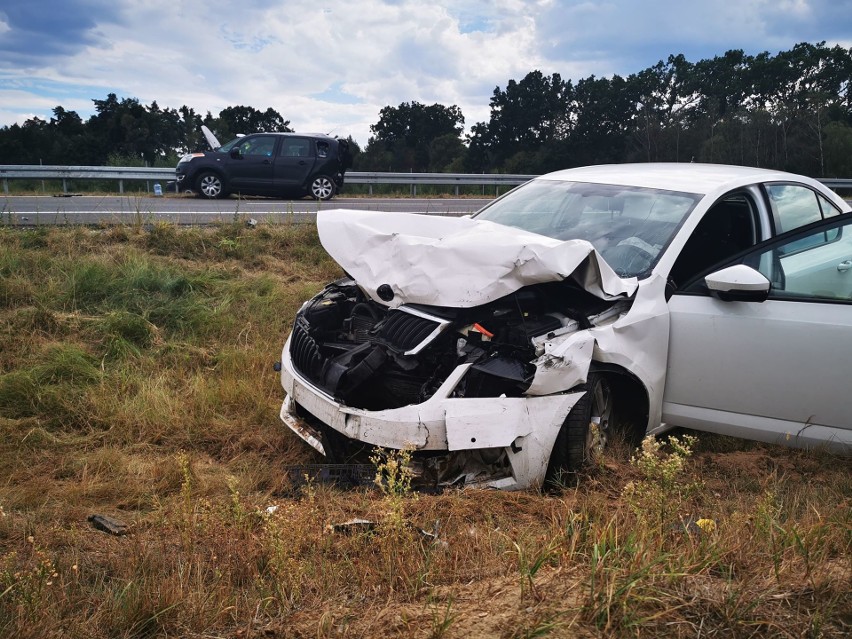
<point>774,370</point>
<point>250,164</point>
<point>294,163</point>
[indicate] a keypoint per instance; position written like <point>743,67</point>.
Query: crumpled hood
<point>456,262</point>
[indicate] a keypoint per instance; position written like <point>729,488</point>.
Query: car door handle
<point>844,266</point>
<point>302,162</point>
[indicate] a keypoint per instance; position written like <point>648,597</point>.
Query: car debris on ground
<point>108,524</point>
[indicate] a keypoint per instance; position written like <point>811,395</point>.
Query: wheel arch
<point>629,417</point>
<point>634,398</point>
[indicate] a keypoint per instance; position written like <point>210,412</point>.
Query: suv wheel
<point>322,188</point>
<point>210,185</point>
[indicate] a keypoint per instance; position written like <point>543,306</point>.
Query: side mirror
<point>738,283</point>
<point>235,153</point>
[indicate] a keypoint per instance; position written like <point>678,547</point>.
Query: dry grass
<point>136,381</point>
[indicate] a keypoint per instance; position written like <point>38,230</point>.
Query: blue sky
<point>331,65</point>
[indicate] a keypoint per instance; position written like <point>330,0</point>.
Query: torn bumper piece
<point>499,442</point>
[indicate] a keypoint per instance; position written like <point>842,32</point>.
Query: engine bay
<point>366,355</point>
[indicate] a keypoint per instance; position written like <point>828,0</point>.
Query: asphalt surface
<point>187,209</point>
<point>191,210</point>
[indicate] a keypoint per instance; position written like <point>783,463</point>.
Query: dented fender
<point>564,364</point>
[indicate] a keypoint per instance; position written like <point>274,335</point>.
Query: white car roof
<point>686,177</point>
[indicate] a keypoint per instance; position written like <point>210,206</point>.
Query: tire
<point>577,440</point>
<point>322,188</point>
<point>210,185</point>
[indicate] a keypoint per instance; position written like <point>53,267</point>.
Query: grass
<point>136,381</point>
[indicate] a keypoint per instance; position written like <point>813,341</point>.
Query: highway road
<point>187,209</point>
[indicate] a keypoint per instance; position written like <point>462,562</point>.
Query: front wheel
<point>585,431</point>
<point>322,188</point>
<point>210,185</point>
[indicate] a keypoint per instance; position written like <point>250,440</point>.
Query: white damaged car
<point>503,348</point>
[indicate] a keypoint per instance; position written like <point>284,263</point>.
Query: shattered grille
<point>305,352</point>
<point>405,331</point>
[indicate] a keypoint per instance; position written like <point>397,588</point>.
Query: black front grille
<point>405,331</point>
<point>305,353</point>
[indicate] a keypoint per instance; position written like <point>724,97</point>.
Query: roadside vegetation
<point>136,382</point>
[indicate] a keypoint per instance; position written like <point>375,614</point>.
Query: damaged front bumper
<point>497,442</point>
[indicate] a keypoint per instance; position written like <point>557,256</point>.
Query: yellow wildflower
<point>706,525</point>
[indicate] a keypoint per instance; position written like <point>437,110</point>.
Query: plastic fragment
<point>108,524</point>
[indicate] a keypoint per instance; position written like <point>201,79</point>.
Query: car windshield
<point>225,148</point>
<point>629,226</point>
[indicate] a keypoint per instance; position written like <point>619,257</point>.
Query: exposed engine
<point>368,356</point>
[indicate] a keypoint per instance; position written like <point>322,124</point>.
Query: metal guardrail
<point>446,179</point>
<point>65,173</point>
<point>837,183</point>
<point>476,179</point>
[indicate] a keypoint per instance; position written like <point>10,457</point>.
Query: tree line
<point>126,133</point>
<point>790,111</point>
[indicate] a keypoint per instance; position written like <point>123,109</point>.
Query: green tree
<point>246,119</point>
<point>604,112</point>
<point>524,117</point>
<point>838,150</point>
<point>666,98</point>
<point>28,143</point>
<point>407,138</point>
<point>189,137</point>
<point>791,110</point>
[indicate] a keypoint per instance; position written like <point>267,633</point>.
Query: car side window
<point>257,146</point>
<point>296,148</point>
<point>793,206</point>
<point>821,271</point>
<point>828,209</point>
<point>726,229</point>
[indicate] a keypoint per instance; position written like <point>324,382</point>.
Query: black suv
<point>268,164</point>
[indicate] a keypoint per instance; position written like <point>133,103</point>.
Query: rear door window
<point>296,148</point>
<point>793,206</point>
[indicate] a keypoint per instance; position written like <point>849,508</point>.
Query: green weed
<point>658,496</point>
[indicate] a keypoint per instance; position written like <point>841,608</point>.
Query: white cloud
<point>33,105</point>
<point>210,54</point>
